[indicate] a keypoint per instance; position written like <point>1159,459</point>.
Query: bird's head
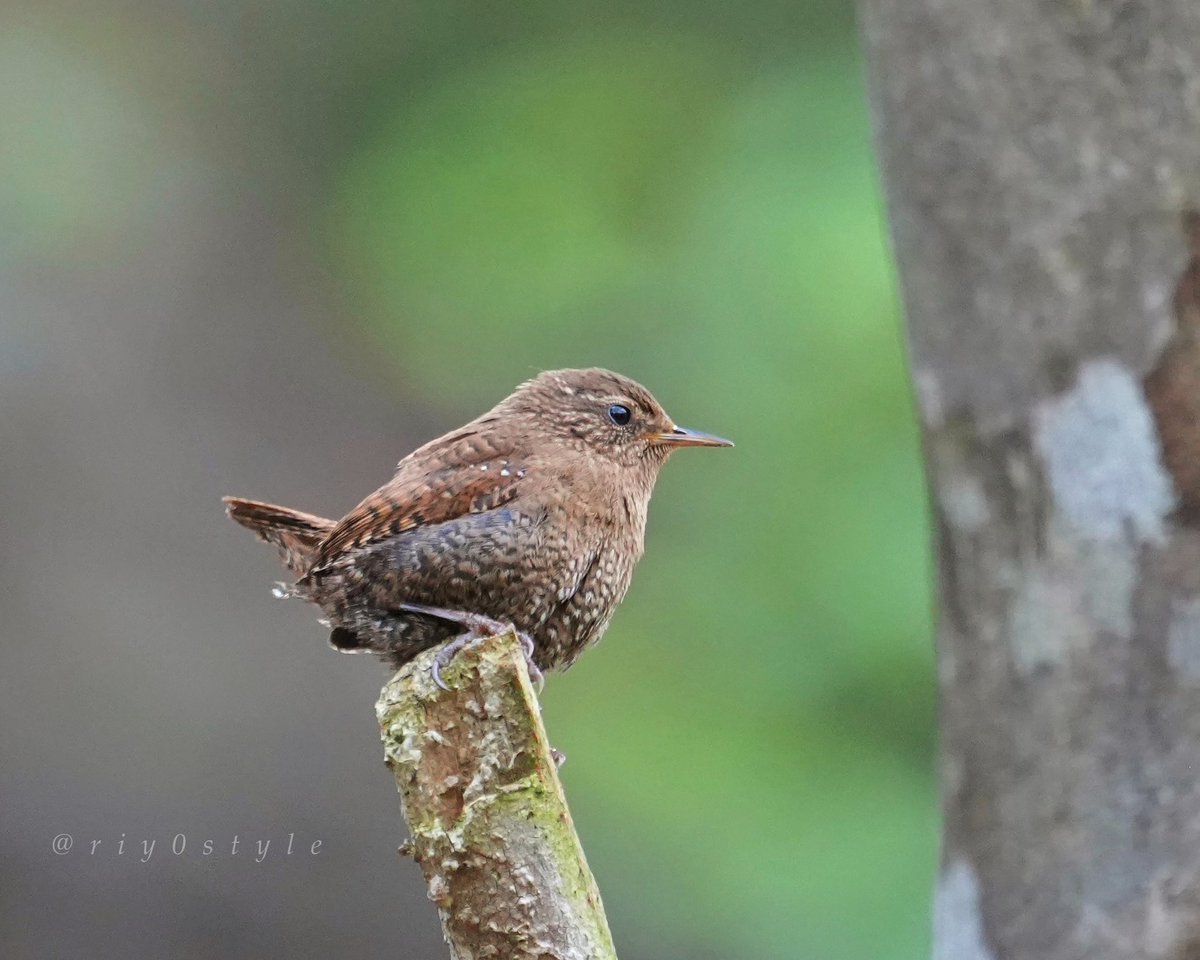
<point>603,413</point>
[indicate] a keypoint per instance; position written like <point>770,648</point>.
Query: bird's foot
<point>474,625</point>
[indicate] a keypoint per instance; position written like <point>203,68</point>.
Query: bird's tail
<point>294,534</point>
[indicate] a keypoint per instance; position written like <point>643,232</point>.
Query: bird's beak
<point>679,437</point>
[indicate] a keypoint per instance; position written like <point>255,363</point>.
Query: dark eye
<point>619,414</point>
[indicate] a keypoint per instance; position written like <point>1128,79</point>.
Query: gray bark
<point>1039,157</point>
<point>490,828</point>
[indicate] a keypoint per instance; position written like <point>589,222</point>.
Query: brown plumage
<point>532,514</point>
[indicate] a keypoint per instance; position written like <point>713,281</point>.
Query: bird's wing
<point>455,476</point>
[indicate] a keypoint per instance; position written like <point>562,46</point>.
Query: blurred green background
<point>265,249</point>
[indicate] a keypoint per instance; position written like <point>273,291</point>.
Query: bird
<point>533,515</point>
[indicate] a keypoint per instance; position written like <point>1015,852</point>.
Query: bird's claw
<point>445,655</point>
<point>535,672</point>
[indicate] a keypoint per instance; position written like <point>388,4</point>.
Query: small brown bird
<point>533,515</point>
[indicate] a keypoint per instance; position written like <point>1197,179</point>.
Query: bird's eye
<point>619,414</point>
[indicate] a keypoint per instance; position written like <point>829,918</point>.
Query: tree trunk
<point>1039,157</point>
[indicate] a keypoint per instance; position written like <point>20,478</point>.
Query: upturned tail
<point>294,534</point>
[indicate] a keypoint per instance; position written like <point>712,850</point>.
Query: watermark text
<point>145,849</point>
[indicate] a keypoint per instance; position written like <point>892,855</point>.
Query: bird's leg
<point>474,625</point>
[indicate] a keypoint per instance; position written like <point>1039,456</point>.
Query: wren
<point>533,515</point>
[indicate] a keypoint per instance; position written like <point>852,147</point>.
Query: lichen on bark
<point>488,820</point>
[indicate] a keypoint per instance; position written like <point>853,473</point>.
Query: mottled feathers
<point>533,513</point>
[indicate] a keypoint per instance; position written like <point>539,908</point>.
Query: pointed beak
<point>679,437</point>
